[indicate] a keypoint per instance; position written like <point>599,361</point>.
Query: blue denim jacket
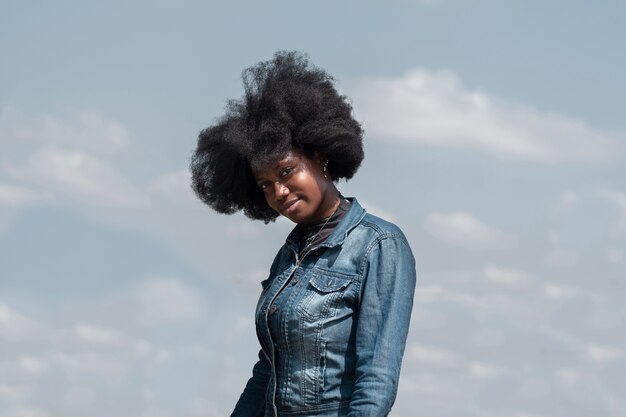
<point>340,318</point>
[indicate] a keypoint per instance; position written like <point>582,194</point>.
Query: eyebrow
<point>278,165</point>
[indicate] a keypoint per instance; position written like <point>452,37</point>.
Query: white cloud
<point>569,376</point>
<point>14,392</point>
<point>425,318</point>
<point>79,176</point>
<point>553,237</point>
<point>152,410</point>
<point>619,199</point>
<point>162,356</point>
<point>565,202</point>
<point>433,107</point>
<point>484,371</point>
<point>82,129</point>
<point>615,405</point>
<point>202,407</point>
<point>510,306</point>
<point>251,280</point>
<point>100,364</point>
<point>433,356</point>
<point>556,291</point>
<point>429,292</point>
<point>564,339</point>
<point>175,187</point>
<point>168,299</point>
<point>437,394</point>
<point>562,258</point>
<point>506,277</point>
<point>240,327</point>
<point>12,199</point>
<point>14,196</point>
<point>378,211</point>
<point>142,348</point>
<point>597,353</point>
<point>242,229</point>
<point>52,159</point>
<point>99,336</point>
<point>616,256</point>
<point>30,365</point>
<point>80,396</point>
<point>14,326</point>
<point>486,337</point>
<point>462,229</point>
<point>482,293</point>
<point>26,411</point>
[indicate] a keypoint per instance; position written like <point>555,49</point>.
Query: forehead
<point>269,165</point>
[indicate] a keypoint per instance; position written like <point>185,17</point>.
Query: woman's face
<point>295,187</point>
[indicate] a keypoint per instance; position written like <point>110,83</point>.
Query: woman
<point>333,315</point>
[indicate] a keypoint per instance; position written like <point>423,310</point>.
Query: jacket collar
<point>353,217</point>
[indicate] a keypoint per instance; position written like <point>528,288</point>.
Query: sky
<point>495,137</point>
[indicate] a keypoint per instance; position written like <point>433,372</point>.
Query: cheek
<point>270,201</point>
<point>311,192</point>
<point>306,186</point>
<point>316,188</point>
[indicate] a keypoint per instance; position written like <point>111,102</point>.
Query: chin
<point>298,218</point>
<point>295,219</point>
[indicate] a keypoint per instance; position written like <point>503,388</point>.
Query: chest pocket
<point>324,293</point>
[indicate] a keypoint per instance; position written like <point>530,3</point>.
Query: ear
<point>318,157</point>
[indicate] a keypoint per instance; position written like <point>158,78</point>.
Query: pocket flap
<point>324,283</point>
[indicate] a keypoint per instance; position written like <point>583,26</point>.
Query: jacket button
<point>294,281</point>
<point>273,309</point>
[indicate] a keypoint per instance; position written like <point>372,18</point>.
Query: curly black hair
<point>288,104</point>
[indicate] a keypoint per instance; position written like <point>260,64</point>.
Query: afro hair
<point>288,104</point>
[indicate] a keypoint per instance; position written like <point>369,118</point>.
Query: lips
<point>289,205</point>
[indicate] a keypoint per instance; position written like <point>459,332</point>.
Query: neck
<point>330,204</point>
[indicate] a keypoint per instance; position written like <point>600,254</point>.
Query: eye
<point>264,186</point>
<point>285,172</point>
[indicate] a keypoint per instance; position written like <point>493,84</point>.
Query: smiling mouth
<point>288,206</point>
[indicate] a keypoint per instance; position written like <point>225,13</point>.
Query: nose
<point>280,190</point>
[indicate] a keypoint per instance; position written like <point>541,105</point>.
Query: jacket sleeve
<point>252,401</point>
<point>383,322</point>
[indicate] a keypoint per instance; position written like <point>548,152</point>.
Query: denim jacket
<point>340,318</point>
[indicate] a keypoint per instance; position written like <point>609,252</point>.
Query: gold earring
<point>325,168</point>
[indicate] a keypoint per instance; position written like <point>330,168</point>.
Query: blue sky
<point>495,138</point>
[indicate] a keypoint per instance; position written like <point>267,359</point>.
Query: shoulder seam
<point>382,236</point>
